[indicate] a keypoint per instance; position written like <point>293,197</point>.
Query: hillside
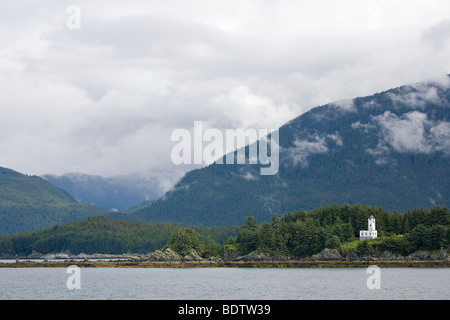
<point>30,203</point>
<point>109,193</point>
<point>103,235</point>
<point>390,149</point>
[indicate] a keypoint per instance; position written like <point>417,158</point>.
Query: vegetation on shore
<point>296,235</point>
<point>307,233</point>
<point>103,235</point>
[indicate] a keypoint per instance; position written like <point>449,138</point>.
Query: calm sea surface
<point>224,283</point>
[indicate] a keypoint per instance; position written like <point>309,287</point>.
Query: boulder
<point>419,255</point>
<point>167,255</point>
<point>193,256</point>
<point>255,256</point>
<point>327,255</point>
<point>56,256</point>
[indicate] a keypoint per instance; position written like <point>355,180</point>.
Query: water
<point>224,284</point>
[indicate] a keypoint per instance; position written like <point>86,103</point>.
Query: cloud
<point>315,144</point>
<point>438,35</point>
<point>440,137</point>
<point>248,109</point>
<point>345,105</point>
<point>104,99</point>
<point>303,148</point>
<point>249,176</point>
<point>417,97</point>
<point>412,132</point>
<point>405,133</point>
<point>364,126</point>
<point>336,138</point>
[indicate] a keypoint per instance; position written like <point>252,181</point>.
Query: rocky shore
<point>328,258</point>
<point>231,264</point>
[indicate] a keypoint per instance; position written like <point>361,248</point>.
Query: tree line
<point>305,233</point>
<point>103,235</point>
<point>297,234</point>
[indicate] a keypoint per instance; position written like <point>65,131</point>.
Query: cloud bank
<point>412,132</point>
<point>104,99</point>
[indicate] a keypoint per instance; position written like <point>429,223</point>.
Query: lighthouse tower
<point>371,232</point>
<point>371,224</point>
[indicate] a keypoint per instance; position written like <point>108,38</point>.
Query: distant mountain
<point>110,193</point>
<point>30,203</point>
<point>391,149</point>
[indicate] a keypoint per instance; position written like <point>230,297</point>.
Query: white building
<point>371,232</point>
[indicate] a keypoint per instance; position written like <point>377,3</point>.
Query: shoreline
<point>231,264</point>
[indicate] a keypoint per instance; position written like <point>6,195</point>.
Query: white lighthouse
<point>371,232</point>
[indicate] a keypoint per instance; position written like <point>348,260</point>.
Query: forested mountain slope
<point>390,149</point>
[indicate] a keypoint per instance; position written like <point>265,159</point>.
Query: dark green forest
<point>295,235</point>
<point>29,203</point>
<point>305,233</point>
<point>103,235</point>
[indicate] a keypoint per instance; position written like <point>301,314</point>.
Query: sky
<point>97,87</point>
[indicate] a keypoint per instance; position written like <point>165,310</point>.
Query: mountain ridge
<point>389,149</point>
<point>29,203</point>
<point>110,193</point>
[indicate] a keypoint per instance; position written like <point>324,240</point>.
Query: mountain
<point>390,149</point>
<point>30,203</point>
<point>110,193</point>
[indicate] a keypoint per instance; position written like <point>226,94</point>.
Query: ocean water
<point>225,284</point>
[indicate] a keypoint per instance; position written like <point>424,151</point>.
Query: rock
<point>258,256</point>
<point>327,255</point>
<point>214,259</point>
<point>167,255</point>
<point>419,255</point>
<point>441,255</point>
<point>137,258</point>
<point>426,255</point>
<point>56,256</point>
<point>81,256</point>
<point>254,256</point>
<point>193,256</point>
<point>230,254</point>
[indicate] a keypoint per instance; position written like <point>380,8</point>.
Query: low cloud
<point>315,144</point>
<point>411,132</point>
<point>364,126</point>
<point>336,138</point>
<point>249,176</point>
<point>345,105</point>
<point>417,96</point>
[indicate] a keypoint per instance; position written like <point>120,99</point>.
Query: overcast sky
<point>104,99</point>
